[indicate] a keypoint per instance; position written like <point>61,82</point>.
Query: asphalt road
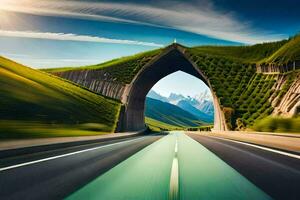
<point>56,174</point>
<point>277,175</point>
<point>175,167</point>
<point>152,167</point>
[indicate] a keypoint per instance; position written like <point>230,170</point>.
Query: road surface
<point>176,166</point>
<point>59,176</point>
<point>276,174</point>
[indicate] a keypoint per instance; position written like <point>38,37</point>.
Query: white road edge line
<point>260,147</point>
<point>63,155</point>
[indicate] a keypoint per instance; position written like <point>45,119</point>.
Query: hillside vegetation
<point>244,95</point>
<point>251,53</point>
<point>289,52</point>
<point>170,114</point>
<point>276,124</point>
<point>122,69</point>
<point>31,98</point>
<point>228,78</point>
<point>156,125</point>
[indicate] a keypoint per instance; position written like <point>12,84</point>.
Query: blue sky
<point>191,86</point>
<point>57,33</point>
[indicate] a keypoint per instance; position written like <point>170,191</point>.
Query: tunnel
<point>169,61</point>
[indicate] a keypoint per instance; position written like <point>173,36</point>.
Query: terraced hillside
<point>249,82</point>
<point>244,94</point>
<point>49,106</point>
<point>121,70</point>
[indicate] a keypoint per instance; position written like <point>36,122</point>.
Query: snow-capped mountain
<point>206,106</point>
<point>187,106</point>
<point>154,95</point>
<point>175,98</point>
<point>204,96</point>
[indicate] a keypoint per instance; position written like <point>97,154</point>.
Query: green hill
<point>289,52</point>
<point>170,114</point>
<point>155,125</point>
<point>122,69</point>
<point>245,95</point>
<point>278,52</point>
<point>252,53</point>
<point>33,98</point>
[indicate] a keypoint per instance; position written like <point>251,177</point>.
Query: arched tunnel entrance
<point>179,101</point>
<point>170,61</point>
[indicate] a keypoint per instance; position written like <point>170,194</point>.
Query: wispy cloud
<point>72,37</point>
<point>201,17</point>
<point>40,63</point>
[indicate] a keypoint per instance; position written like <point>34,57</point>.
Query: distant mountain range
<point>200,106</point>
<point>170,114</point>
<point>154,95</point>
<point>187,106</point>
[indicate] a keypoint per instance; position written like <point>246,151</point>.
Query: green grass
<point>35,97</point>
<point>117,61</point>
<point>251,53</point>
<point>10,129</point>
<point>156,125</point>
<point>122,69</point>
<point>287,53</point>
<point>276,124</point>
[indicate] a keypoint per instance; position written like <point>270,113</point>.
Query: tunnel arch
<point>171,60</point>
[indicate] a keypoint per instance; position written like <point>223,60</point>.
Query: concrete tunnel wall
<point>171,60</point>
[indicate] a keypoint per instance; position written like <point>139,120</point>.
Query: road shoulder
<point>289,143</point>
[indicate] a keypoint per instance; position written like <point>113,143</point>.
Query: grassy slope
<point>156,125</point>
<point>273,124</point>
<point>122,69</point>
<point>170,114</point>
<point>247,54</point>
<point>34,97</point>
<point>287,53</point>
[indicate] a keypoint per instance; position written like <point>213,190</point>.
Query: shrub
<point>276,124</point>
<point>240,124</point>
<point>255,115</point>
<point>246,115</point>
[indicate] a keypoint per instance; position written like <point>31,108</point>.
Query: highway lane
<point>145,175</point>
<point>278,175</point>
<point>151,174</point>
<point>203,175</point>
<point>152,167</point>
<point>55,174</point>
